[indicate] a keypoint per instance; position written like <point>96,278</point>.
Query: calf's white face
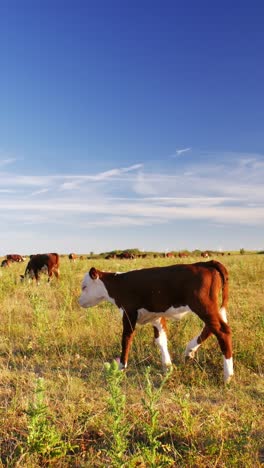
<point>93,292</point>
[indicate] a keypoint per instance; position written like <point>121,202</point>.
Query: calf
<point>5,263</point>
<point>152,295</point>
<point>42,262</point>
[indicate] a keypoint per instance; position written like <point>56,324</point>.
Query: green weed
<point>118,425</point>
<point>153,452</point>
<point>43,438</point>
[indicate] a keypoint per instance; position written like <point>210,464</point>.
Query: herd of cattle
<point>153,295</point>
<point>49,263</point>
<point>11,258</point>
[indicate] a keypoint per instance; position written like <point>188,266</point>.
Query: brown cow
<point>152,295</point>
<point>15,258</point>
<point>126,255</point>
<point>169,255</point>
<point>73,257</point>
<point>42,263</point>
<point>205,254</point>
<point>6,263</point>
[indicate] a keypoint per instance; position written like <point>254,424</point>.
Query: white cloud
<point>179,152</point>
<point>120,221</point>
<point>39,192</point>
<point>229,192</point>
<point>73,185</point>
<point>7,191</point>
<point>8,179</point>
<point>147,209</point>
<point>7,161</point>
<point>115,172</point>
<point>143,185</point>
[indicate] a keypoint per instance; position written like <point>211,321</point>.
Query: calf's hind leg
<point>222,332</point>
<point>196,342</point>
<point>57,273</point>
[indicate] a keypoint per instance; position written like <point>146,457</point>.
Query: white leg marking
<point>192,347</point>
<point>223,314</point>
<point>228,369</point>
<point>122,366</point>
<point>162,343</point>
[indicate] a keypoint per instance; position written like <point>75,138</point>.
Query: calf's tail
<point>224,276</point>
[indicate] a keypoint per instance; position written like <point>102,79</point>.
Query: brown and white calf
<point>152,295</point>
<point>48,263</point>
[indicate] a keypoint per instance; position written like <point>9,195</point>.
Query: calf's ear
<point>93,273</point>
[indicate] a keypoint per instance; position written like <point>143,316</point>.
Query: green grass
<point>189,420</point>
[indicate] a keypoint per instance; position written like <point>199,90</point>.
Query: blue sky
<point>131,124</point>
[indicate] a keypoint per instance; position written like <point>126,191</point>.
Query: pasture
<point>61,405</point>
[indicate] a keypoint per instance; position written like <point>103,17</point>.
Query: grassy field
<point>61,405</point>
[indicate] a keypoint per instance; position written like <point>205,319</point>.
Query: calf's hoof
<point>190,356</point>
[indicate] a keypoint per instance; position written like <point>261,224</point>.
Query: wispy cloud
<point>179,152</point>
<point>115,172</point>
<point>73,185</point>
<point>230,192</point>
<point>7,161</point>
<point>67,182</point>
<point>143,212</point>
<point>143,185</point>
<point>7,191</point>
<point>39,192</point>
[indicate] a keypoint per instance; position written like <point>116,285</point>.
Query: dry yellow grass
<point>45,334</point>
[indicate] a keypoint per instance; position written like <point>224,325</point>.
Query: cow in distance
<point>15,258</point>
<point>45,263</point>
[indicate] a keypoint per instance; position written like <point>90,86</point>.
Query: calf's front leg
<point>160,336</point>
<point>129,325</point>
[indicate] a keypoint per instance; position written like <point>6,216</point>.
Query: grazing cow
<point>42,263</point>
<point>152,295</point>
<point>15,258</point>
<point>6,263</point>
<point>183,255</point>
<point>205,254</point>
<point>169,255</point>
<point>126,255</point>
<point>73,257</point>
